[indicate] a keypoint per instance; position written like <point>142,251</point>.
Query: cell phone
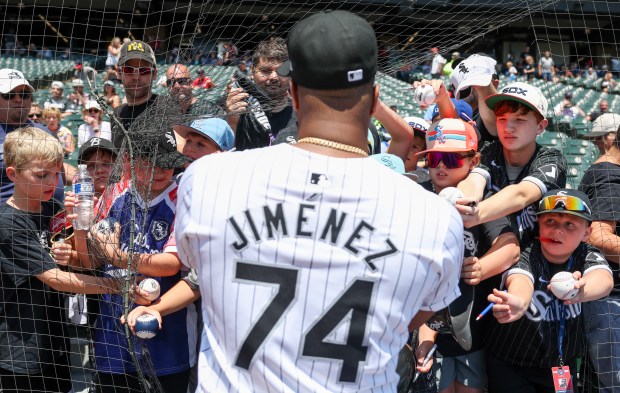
<point>250,87</point>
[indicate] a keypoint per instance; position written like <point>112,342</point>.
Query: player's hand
<point>137,312</point>
<point>508,307</point>
<point>469,211</point>
<point>236,101</point>
<point>420,353</point>
<point>471,273</point>
<point>61,252</point>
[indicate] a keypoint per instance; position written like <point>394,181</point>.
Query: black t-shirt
<point>546,169</point>
<point>32,328</point>
<point>252,134</point>
<point>477,241</point>
<point>532,341</point>
<point>127,114</point>
<point>601,183</point>
<point>484,136</point>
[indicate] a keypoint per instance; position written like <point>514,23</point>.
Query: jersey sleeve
<point>594,260</point>
<point>23,255</point>
<point>602,185</point>
<point>447,289</point>
<point>548,170</point>
<point>523,265</point>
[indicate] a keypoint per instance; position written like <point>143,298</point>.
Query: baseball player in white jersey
<point>314,260</point>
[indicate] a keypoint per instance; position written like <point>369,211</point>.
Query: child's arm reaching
<point>78,283</point>
<point>594,285</point>
<point>511,305</point>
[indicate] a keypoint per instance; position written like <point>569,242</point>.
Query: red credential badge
<point>562,379</point>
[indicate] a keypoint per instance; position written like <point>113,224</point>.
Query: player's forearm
<point>78,283</point>
<point>426,334</point>
<point>508,200</point>
<point>177,298</point>
<point>599,284</point>
<point>399,130</point>
<point>419,319</point>
<point>501,256</point>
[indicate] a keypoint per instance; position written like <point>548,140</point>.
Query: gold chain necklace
<point>333,145</point>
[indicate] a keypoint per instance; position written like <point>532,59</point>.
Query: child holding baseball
<point>490,249</point>
<point>521,351</point>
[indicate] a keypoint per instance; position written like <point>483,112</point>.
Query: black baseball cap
<point>566,201</point>
<point>164,152</point>
<point>136,50</point>
<point>331,50</point>
<point>94,144</point>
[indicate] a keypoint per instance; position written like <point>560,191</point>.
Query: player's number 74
<point>356,298</point>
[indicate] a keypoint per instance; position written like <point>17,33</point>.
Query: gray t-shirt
<point>546,64</point>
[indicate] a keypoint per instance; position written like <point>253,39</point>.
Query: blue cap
<point>463,109</point>
<point>217,130</point>
<point>391,161</point>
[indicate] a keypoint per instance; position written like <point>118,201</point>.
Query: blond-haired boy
<point>33,342</point>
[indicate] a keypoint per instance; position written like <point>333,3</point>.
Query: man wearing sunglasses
<point>179,83</point>
<point>138,70</point>
<point>15,104</point>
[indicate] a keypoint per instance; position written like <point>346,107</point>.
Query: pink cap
<point>451,135</point>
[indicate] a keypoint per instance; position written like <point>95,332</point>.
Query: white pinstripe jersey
<point>311,267</point>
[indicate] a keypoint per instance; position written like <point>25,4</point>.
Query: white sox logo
<point>14,75</point>
<point>160,230</point>
<point>515,90</point>
<point>170,139</point>
<point>463,69</point>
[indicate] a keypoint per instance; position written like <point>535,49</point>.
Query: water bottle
<point>84,188</point>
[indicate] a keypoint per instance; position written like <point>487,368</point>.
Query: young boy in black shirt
<point>33,341</point>
<point>535,331</point>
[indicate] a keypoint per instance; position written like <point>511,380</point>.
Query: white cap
<point>417,123</point>
<point>92,104</point>
<point>476,70</point>
<point>527,95</point>
<point>58,85</point>
<point>10,79</point>
<point>77,82</point>
<point>605,123</point>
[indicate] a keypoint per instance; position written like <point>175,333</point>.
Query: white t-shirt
<point>546,64</point>
<point>437,64</point>
<point>299,253</point>
<point>85,132</point>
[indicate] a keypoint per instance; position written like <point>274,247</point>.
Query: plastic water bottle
<point>84,189</point>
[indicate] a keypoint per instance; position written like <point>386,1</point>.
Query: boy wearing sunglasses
<point>521,352</point>
<point>490,249</point>
<point>521,170</point>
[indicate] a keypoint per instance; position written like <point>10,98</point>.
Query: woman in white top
<point>113,53</point>
<point>93,126</point>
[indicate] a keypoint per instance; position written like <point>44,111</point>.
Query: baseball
<point>563,286</point>
<point>451,194</point>
<point>424,95</point>
<point>151,287</point>
<point>146,326</point>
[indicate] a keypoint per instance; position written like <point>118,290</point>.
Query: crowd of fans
<point>521,223</point>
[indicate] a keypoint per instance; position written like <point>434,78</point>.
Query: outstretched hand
<point>508,307</point>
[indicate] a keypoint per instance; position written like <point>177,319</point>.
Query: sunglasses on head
<point>565,202</point>
<point>450,160</point>
<point>181,81</point>
<point>138,70</point>
<point>25,95</point>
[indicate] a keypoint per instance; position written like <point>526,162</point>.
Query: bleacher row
<point>579,153</point>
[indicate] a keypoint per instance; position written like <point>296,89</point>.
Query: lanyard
<point>562,319</point>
